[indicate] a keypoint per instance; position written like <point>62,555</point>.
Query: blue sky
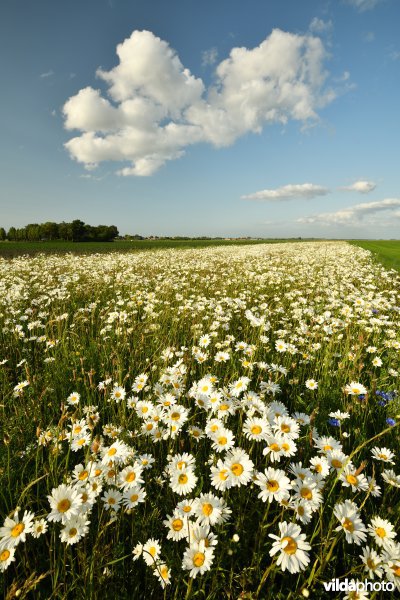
<point>264,118</point>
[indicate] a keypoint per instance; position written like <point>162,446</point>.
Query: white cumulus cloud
<point>289,192</point>
<point>354,215</point>
<point>361,186</point>
<point>155,107</point>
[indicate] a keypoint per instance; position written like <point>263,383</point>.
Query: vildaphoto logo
<point>350,585</point>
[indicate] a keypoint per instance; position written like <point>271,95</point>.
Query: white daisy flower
<point>383,454</point>
<point>74,529</point>
<point>350,522</point>
<point>381,530</point>
<point>274,485</point>
<point>14,529</point>
<point>65,503</point>
<point>151,552</point>
<point>197,559</point>
<point>292,547</point>
<point>7,556</point>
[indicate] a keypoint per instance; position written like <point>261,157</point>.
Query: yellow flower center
<point>183,478</point>
<point>318,468</point>
<point>222,441</point>
<point>300,510</point>
<point>223,475</point>
<point>177,524</point>
<point>83,475</point>
<point>396,570</point>
<point>256,430</point>
<point>306,493</point>
<point>380,532</point>
<point>111,473</point>
<point>5,555</point>
<point>112,451</point>
<point>291,545</point>
<point>237,469</point>
<point>131,476</point>
<point>175,416</point>
<point>152,551</point>
<point>272,485</point>
<point>63,505</point>
<point>207,509</point>
<point>17,529</point>
<point>164,572</point>
<point>351,479</point>
<point>285,428</point>
<point>348,525</point>
<point>224,407</point>
<point>134,497</point>
<point>187,508</point>
<point>72,532</point>
<point>371,564</point>
<point>181,464</point>
<point>198,559</point>
<point>274,447</point>
<point>327,447</point>
<point>285,447</point>
<point>337,464</point>
<point>384,456</point>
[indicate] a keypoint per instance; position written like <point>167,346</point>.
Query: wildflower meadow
<point>204,423</point>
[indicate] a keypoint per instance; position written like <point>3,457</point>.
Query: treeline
<point>77,231</point>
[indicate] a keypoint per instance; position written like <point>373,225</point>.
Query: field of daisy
<point>203,423</point>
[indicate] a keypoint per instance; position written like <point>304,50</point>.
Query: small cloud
<point>369,36</point>
<point>344,77</point>
<point>320,26</point>
<point>47,74</point>
<point>361,186</point>
<point>289,192</point>
<point>395,55</point>
<point>363,5</point>
<point>209,57</point>
<point>72,75</point>
<point>53,113</point>
<point>353,215</point>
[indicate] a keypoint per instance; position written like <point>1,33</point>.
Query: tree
<point>12,234</point>
<point>78,230</point>
<point>65,231</point>
<point>3,234</point>
<point>32,232</point>
<point>49,230</point>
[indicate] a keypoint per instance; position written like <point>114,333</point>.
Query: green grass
<point>387,252</point>
<point>12,249</point>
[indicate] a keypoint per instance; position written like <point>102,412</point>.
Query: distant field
<point>11,249</point>
<point>386,251</point>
